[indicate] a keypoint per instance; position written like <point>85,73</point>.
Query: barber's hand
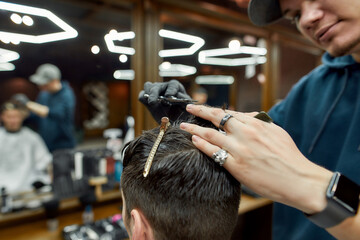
<point>22,98</point>
<point>262,156</point>
<point>149,97</point>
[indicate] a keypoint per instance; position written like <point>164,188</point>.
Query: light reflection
<point>197,44</point>
<point>124,74</point>
<point>68,31</point>
<point>215,80</point>
<point>167,69</point>
<point>113,35</point>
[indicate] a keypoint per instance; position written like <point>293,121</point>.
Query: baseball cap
<point>263,12</point>
<point>45,73</point>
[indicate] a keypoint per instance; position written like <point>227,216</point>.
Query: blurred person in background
<point>24,158</point>
<point>200,95</point>
<point>54,108</point>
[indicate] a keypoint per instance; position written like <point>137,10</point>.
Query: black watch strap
<point>342,202</point>
<point>331,216</point>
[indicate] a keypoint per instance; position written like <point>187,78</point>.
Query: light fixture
<point>123,58</point>
<point>197,44</point>
<point>16,18</point>
<point>113,35</point>
<point>68,31</point>
<point>234,44</point>
<point>95,49</point>
<point>27,20</point>
<point>8,55</point>
<point>211,57</point>
<point>7,67</point>
<point>124,74</point>
<point>167,69</point>
<point>214,80</point>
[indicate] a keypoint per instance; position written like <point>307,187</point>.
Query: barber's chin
<point>343,48</point>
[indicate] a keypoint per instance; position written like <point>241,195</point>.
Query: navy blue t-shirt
<point>57,129</point>
<point>322,115</point>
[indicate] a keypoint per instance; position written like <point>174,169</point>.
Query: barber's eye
<point>296,18</point>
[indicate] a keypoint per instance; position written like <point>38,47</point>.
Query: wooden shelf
<point>109,204</point>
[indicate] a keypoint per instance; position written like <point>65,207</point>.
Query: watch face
<point>348,193</point>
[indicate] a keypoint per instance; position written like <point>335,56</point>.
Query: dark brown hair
<point>186,194</point>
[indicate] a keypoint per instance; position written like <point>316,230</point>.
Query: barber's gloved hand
<point>20,97</point>
<point>149,97</point>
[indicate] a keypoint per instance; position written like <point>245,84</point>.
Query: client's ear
<point>141,229</point>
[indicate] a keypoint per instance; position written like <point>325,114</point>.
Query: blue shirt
<point>322,115</point>
<point>57,129</point>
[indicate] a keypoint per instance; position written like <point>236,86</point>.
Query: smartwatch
<point>342,197</point>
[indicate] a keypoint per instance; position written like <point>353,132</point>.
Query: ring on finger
<point>220,156</point>
<point>224,120</point>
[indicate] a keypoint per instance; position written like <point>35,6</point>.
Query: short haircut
<point>186,194</point>
<point>13,105</point>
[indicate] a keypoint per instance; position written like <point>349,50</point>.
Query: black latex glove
<point>21,98</point>
<point>38,184</point>
<point>160,109</point>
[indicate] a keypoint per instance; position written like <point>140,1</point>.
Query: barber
<point>53,109</point>
<point>308,160</point>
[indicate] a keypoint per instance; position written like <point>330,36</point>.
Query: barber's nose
<point>310,15</point>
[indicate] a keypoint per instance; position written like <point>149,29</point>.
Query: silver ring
<point>224,120</point>
<point>220,156</point>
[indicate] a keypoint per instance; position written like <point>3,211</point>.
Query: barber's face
<point>12,119</point>
<point>331,24</point>
<point>51,86</point>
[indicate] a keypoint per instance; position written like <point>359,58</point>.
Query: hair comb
<point>165,123</point>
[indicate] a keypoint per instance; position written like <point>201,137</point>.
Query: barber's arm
<point>38,109</point>
<point>264,158</point>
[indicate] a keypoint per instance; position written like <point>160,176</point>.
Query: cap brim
<point>39,80</point>
<point>264,12</point>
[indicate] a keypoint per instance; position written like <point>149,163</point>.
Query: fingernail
<point>184,126</point>
<point>195,139</point>
<point>189,106</point>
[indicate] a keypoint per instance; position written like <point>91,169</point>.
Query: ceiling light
<point>175,70</point>
<point>234,44</point>
<point>15,42</point>
<point>8,55</point>
<point>165,66</point>
<point>95,49</point>
<point>7,67</point>
<point>211,57</point>
<point>214,80</point>
<point>27,20</point>
<point>68,31</point>
<point>123,58</point>
<point>197,44</point>
<point>124,74</point>
<point>113,35</point>
<point>16,18</point>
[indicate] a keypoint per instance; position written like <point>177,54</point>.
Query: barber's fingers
<point>173,88</point>
<point>209,149</point>
<point>212,136</point>
<point>237,114</point>
<point>215,115</point>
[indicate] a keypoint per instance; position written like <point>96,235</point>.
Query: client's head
<point>186,195</point>
<point>12,115</point>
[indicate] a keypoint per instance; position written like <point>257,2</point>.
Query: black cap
<point>264,12</point>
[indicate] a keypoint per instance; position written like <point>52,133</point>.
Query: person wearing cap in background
<point>300,161</point>
<point>54,107</point>
<point>24,157</point>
